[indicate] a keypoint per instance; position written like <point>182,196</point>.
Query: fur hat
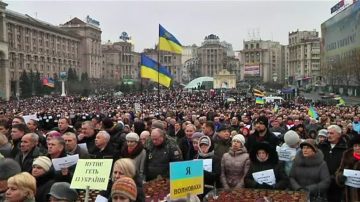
<point>8,168</point>
<point>291,138</point>
<point>322,132</point>
<point>125,186</point>
<point>44,162</point>
<point>262,120</point>
<point>62,191</point>
<point>240,138</point>
<point>311,143</point>
<point>132,137</point>
<point>354,140</point>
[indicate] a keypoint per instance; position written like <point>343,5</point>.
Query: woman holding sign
<point>350,161</point>
<point>264,159</point>
<point>310,172</point>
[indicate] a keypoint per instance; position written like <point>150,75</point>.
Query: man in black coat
<point>333,150</point>
<point>28,151</point>
<point>261,134</point>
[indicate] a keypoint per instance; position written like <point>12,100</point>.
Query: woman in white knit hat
<point>134,150</point>
<point>44,175</point>
<point>235,164</point>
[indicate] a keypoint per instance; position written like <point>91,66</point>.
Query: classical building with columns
<point>27,43</point>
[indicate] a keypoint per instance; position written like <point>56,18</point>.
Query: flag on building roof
<point>168,42</point>
<point>313,113</point>
<point>150,69</point>
<point>260,101</point>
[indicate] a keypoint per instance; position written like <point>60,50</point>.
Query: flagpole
<point>158,69</point>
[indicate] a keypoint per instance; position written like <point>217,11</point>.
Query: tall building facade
<point>38,46</point>
<point>190,64</point>
<point>89,33</point>
<point>30,44</point>
<point>303,58</point>
<point>211,56</point>
<point>262,61</point>
<point>168,59</point>
<point>120,61</point>
<point>340,51</point>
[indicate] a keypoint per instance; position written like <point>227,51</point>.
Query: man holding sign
<point>348,174</point>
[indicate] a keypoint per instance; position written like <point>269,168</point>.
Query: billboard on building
<point>252,70</point>
<point>341,34</point>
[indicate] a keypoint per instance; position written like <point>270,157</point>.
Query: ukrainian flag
<point>149,70</point>
<point>259,101</point>
<point>168,42</point>
<point>313,113</point>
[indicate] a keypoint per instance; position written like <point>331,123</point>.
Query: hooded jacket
<point>311,174</point>
<point>234,166</point>
<point>271,163</point>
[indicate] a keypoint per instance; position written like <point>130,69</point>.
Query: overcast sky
<point>189,21</point>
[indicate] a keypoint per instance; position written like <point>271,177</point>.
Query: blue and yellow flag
<point>313,113</point>
<point>150,69</point>
<point>168,42</point>
<point>260,101</point>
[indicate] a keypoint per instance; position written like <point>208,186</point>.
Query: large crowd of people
<point>240,137</point>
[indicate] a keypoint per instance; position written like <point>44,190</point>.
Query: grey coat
<point>234,166</point>
<point>311,174</point>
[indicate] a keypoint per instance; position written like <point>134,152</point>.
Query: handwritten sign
<point>352,178</point>
<point>186,177</point>
<point>286,154</point>
<point>266,176</point>
<point>92,173</point>
<point>27,118</point>
<point>65,162</point>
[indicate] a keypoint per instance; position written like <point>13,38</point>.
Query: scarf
<point>356,156</point>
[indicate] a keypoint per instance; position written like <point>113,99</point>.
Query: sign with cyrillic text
<point>92,173</point>
<point>186,177</point>
<point>352,178</point>
<point>266,176</point>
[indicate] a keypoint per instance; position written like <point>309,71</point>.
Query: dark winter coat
<point>90,142</point>
<point>43,185</point>
<point>348,162</point>
<point>310,174</point>
<point>282,180</point>
<point>234,166</point>
<point>138,155</point>
<point>255,138</point>
<point>209,177</point>
<point>187,148</point>
<point>333,158</point>
<point>220,148</point>
<point>108,153</point>
<point>26,164</point>
<point>158,158</point>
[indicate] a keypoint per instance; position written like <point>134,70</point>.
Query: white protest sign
<point>352,178</point>
<point>100,198</point>
<point>207,165</point>
<point>92,174</point>
<point>137,107</point>
<point>286,154</point>
<point>266,176</point>
<point>27,118</point>
<point>65,162</point>
<point>83,146</point>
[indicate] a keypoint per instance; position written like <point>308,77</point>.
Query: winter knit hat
<point>291,138</point>
<point>322,132</point>
<point>197,135</point>
<point>240,138</point>
<point>204,140</point>
<point>310,143</point>
<point>262,120</point>
<point>43,162</point>
<point>125,186</point>
<point>132,137</point>
<point>8,168</point>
